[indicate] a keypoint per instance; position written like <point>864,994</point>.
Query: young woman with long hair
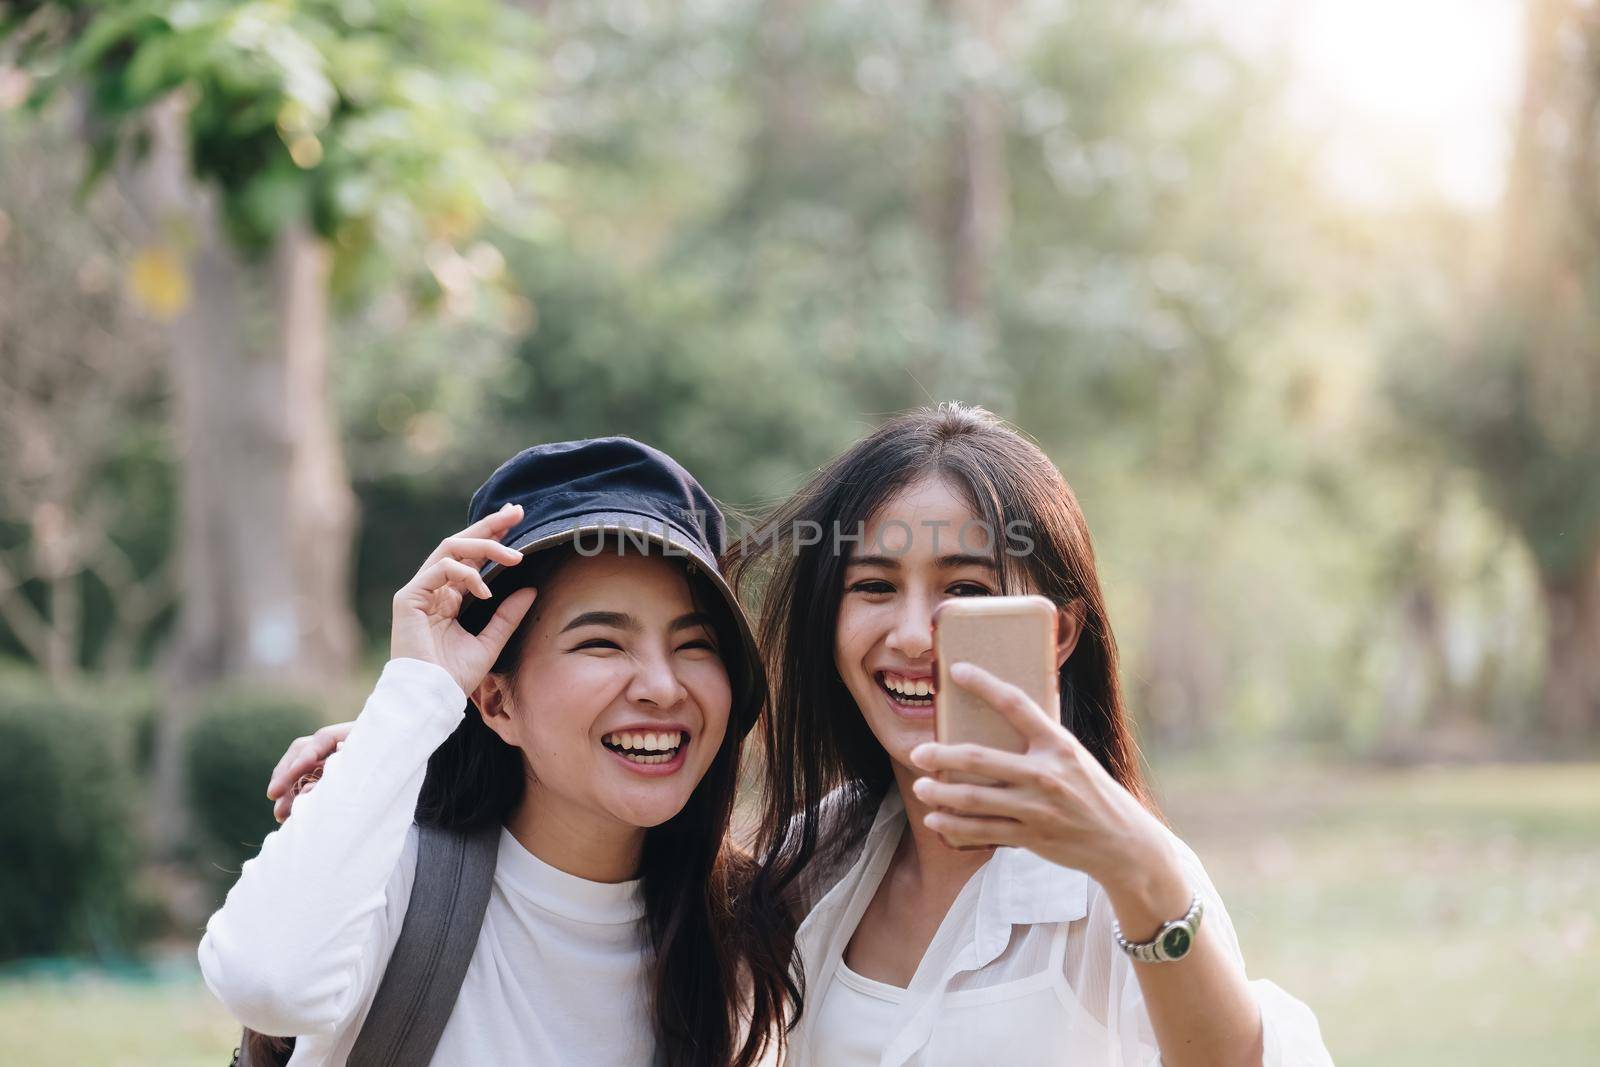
<point>967,924</point>
<point>602,738</point>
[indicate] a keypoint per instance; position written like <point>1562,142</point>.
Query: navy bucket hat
<point>587,493</point>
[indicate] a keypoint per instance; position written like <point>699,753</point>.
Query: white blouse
<point>1023,970</point>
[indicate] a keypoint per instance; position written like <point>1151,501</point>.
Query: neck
<point>932,862</point>
<point>577,840</point>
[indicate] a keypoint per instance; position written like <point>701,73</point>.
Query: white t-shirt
<point>560,972</point>
<point>1023,971</point>
<point>855,1019</point>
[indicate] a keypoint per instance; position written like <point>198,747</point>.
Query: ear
<point>1069,627</point>
<point>492,698</point>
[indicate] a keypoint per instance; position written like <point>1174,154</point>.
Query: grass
<point>102,1021</point>
<point>1430,918</point>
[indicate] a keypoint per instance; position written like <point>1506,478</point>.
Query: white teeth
<point>906,687</point>
<point>648,747</point>
<point>654,757</point>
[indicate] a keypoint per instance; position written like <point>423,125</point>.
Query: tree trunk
<point>976,202</point>
<point>267,513</point>
<point>786,92</point>
<point>1572,669</point>
<point>1548,277</point>
<point>322,506</point>
<point>970,208</point>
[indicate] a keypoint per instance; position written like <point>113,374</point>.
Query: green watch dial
<point>1175,943</point>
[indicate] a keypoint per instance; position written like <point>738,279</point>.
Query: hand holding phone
<point>1013,638</point>
<point>1040,789</point>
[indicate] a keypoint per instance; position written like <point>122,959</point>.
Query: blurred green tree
<point>85,493</point>
<point>1515,392</point>
<point>765,223</point>
<point>1073,214</point>
<point>780,221</point>
<point>278,154</point>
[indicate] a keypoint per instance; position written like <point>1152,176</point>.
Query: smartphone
<point>1011,637</point>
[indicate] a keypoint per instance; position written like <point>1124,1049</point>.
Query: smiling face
<point>911,557</point>
<point>621,700</point>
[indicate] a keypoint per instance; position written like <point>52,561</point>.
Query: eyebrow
<point>954,559</point>
<point>621,620</point>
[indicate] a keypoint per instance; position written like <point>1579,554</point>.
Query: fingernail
<point>507,506</point>
<point>919,753</point>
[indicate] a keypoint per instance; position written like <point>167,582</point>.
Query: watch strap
<point>1157,949</point>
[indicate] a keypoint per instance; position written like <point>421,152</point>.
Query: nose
<point>655,682</point>
<point>911,635</point>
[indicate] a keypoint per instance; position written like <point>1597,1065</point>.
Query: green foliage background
<point>1323,483</point>
<point>67,832</point>
<point>231,750</point>
<point>712,228</point>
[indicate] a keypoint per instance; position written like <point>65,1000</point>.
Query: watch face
<point>1176,941</point>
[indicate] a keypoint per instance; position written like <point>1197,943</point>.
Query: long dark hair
<point>815,738</point>
<point>719,969</point>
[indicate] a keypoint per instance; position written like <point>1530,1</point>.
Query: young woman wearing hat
<point>597,759</point>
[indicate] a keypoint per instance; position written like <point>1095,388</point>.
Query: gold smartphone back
<point>1011,637</point>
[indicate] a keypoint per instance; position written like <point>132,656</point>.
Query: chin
<point>646,816</point>
<point>897,735</point>
<point>646,808</point>
<point>904,739</point>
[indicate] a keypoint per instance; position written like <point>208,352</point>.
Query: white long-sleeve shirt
<point>1023,971</point>
<point>560,973</point>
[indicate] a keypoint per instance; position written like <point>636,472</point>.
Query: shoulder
<point>843,819</point>
<point>1195,875</point>
<point>1194,869</point>
<point>1188,858</point>
<point>401,879</point>
<point>1214,911</point>
<point>389,920</point>
<point>308,965</point>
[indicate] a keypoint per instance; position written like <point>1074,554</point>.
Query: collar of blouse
<point>1016,888</point>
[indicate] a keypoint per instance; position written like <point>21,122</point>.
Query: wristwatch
<point>1171,943</point>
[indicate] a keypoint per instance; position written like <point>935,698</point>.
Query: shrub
<point>229,752</point>
<point>68,849</point>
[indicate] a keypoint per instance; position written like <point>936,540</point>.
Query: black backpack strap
<point>455,872</point>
